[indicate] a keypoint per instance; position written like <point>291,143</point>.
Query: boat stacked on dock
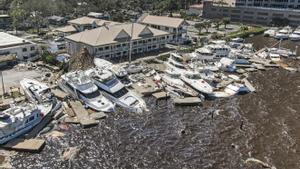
<point>79,86</point>
<point>115,91</point>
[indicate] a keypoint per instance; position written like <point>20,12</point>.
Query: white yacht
<point>173,79</point>
<point>176,63</point>
<point>270,32</point>
<point>196,82</point>
<point>212,51</point>
<point>295,36</point>
<point>114,90</point>
<point>227,65</point>
<point>101,63</point>
<point>18,120</point>
<point>79,86</point>
<point>35,91</point>
<point>283,33</point>
<point>274,57</point>
<point>203,53</point>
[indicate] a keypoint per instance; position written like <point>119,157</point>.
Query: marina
<point>151,92</point>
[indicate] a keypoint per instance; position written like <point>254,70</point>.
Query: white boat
<point>227,65</point>
<point>36,91</point>
<point>236,88</point>
<point>119,71</point>
<point>81,87</point>
<point>173,79</point>
<point>18,120</point>
<point>114,90</point>
<point>133,68</point>
<point>196,82</point>
<point>295,36</point>
<point>101,63</point>
<point>274,57</point>
<point>283,33</point>
<point>203,54</point>
<point>270,32</point>
<point>212,51</point>
<point>175,62</point>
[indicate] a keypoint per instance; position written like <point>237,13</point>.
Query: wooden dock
<point>82,114</point>
<point>30,145</point>
<point>147,88</point>
<point>59,94</point>
<point>161,95</point>
<point>187,101</point>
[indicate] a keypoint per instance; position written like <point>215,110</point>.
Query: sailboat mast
<point>130,43</point>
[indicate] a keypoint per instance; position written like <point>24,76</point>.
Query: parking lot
<point>12,77</point>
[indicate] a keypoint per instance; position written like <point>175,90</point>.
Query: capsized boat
<point>20,119</point>
<point>114,90</point>
<point>197,83</point>
<point>81,87</point>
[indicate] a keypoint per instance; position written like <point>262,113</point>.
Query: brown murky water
<point>264,125</point>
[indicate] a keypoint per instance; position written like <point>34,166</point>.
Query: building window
<point>32,48</point>
<point>24,49</point>
<point>167,28</point>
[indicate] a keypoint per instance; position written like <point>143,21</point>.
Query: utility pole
<point>130,43</point>
<point>2,82</point>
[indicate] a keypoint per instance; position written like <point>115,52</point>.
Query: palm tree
<point>200,26</point>
<point>226,21</point>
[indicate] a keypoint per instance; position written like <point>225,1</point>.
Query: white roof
<point>111,34</point>
<point>162,21</point>
<point>10,40</point>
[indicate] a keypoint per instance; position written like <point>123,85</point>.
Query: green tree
<point>199,26</point>
<point>207,25</point>
<point>226,21</point>
<point>17,14</point>
<point>217,22</point>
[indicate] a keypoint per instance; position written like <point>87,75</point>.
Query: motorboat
<point>195,81</point>
<point>270,32</point>
<point>39,93</point>
<point>295,36</point>
<point>173,79</point>
<point>236,88</point>
<point>283,33</point>
<point>35,91</point>
<point>274,57</point>
<point>176,63</point>
<point>227,65</point>
<point>133,68</point>
<point>212,52</point>
<point>114,90</point>
<point>81,87</point>
<point>101,63</point>
<point>119,71</point>
<point>18,120</point>
<point>203,53</point>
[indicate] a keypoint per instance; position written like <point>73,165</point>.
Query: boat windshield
<point>120,93</point>
<point>175,76</point>
<point>177,65</point>
<point>177,59</point>
<point>110,81</point>
<point>193,76</point>
<point>91,95</point>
